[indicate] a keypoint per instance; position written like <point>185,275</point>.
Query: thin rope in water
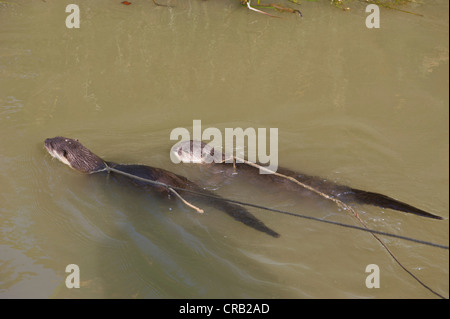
<point>419,241</point>
<point>343,206</point>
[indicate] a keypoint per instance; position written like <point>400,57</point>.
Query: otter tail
<point>238,212</point>
<point>369,198</point>
<point>241,214</point>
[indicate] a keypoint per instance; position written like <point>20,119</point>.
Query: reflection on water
<point>365,108</point>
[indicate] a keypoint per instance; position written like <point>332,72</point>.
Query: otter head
<point>74,154</point>
<point>196,152</point>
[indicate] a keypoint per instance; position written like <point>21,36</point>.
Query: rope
<point>419,241</point>
<point>344,206</point>
<point>170,188</point>
<point>338,202</point>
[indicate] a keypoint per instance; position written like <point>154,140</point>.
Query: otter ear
<point>76,140</point>
<point>65,153</point>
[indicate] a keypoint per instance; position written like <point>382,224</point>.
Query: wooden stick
<point>200,211</point>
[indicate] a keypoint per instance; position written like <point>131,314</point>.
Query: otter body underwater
<point>204,154</point>
<point>78,157</point>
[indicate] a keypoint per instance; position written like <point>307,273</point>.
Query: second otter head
<point>74,154</point>
<point>196,152</point>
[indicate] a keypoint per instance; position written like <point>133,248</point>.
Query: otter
<point>75,155</point>
<point>204,154</point>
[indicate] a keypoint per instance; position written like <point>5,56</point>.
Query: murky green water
<point>364,107</point>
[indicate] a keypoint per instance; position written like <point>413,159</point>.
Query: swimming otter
<point>199,152</point>
<point>78,157</point>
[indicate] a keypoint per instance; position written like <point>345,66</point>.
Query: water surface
<point>363,107</point>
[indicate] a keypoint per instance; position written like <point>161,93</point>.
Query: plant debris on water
<point>259,5</point>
